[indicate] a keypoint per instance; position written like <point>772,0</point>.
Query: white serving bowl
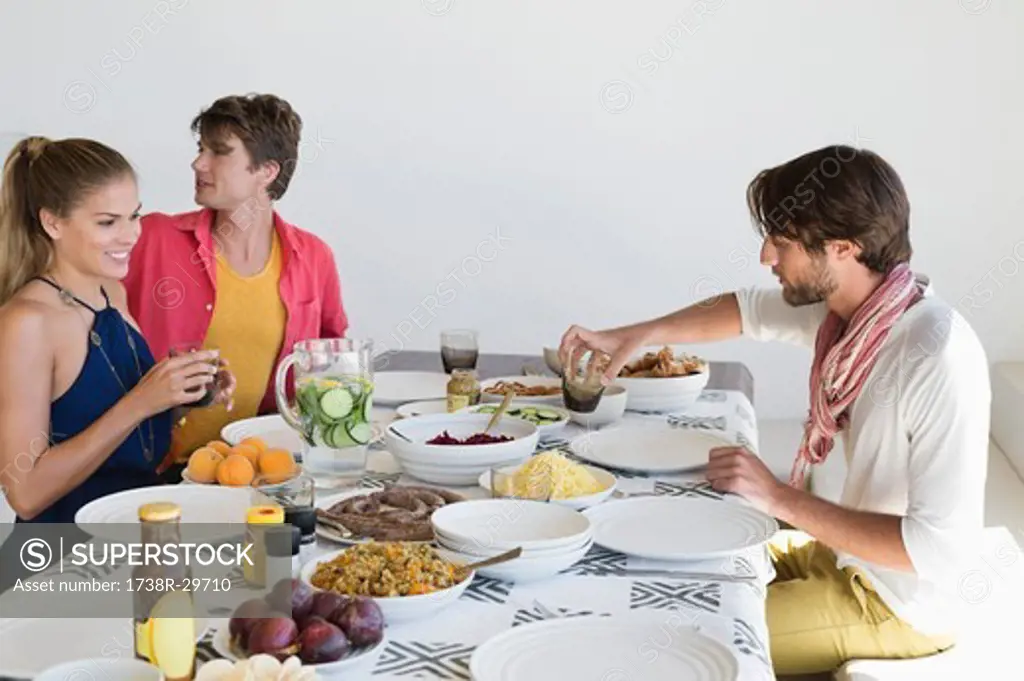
<point>609,410</point>
<point>663,394</point>
<point>448,476</point>
<point>504,524</point>
<point>549,431</point>
<point>419,429</point>
<point>524,568</point>
<point>553,361</point>
<point>398,608</point>
<point>603,477</point>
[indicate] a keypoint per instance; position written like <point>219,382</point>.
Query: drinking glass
<point>187,347</point>
<point>333,388</point>
<point>459,349</point>
<point>581,381</point>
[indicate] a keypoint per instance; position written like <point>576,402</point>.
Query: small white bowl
<point>504,524</point>
<point>609,410</point>
<point>522,569</point>
<point>606,479</point>
<point>399,608</point>
<point>108,669</point>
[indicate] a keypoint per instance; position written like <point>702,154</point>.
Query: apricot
<point>223,448</point>
<point>235,471</point>
<point>203,464</point>
<point>256,442</point>
<point>277,465</point>
<point>249,451</point>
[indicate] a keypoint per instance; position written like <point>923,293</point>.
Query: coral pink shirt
<point>171,285</point>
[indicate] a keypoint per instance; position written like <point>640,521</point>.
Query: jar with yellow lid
<point>257,519</point>
<point>164,629</point>
<point>463,390</point>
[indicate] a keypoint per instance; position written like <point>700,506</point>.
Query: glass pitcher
<point>333,400</point>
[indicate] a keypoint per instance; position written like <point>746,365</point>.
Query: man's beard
<point>820,284</point>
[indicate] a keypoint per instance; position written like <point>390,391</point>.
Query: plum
<point>321,641</point>
<point>292,595</point>
<point>322,605</point>
<point>277,636</point>
<point>362,621</point>
<point>245,617</point>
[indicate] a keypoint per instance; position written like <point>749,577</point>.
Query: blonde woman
<point>85,410</point>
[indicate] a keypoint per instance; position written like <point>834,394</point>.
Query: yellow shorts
<point>820,617</point>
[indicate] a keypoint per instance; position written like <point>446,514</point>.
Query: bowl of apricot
<point>250,463</point>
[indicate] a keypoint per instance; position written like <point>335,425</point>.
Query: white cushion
<point>994,591</point>
<point>1007,408</point>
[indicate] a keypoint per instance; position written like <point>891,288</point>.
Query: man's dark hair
<point>836,193</point>
<point>268,127</point>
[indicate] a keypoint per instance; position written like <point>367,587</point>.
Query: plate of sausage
<point>398,513</point>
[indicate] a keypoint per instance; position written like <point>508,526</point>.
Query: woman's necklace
<point>70,299</point>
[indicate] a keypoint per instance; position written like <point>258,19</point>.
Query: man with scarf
<point>896,372</point>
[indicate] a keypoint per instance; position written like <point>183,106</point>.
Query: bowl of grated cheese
<point>551,476</point>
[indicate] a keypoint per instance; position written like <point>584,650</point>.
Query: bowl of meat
<point>453,449</point>
<point>663,381</point>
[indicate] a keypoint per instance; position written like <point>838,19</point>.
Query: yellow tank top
<point>247,327</point>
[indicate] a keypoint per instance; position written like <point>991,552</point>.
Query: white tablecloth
<point>732,613</point>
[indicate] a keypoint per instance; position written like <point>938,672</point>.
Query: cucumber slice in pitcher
<point>359,432</point>
<point>336,403</point>
<point>367,407</point>
<point>338,438</point>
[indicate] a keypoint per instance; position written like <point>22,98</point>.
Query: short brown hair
<point>268,127</point>
<point>836,193</point>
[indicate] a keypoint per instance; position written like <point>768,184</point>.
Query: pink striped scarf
<point>844,355</point>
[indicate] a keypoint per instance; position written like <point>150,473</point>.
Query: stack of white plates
<point>552,538</point>
<point>457,464</point>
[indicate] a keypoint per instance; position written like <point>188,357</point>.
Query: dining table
<point>725,601</point>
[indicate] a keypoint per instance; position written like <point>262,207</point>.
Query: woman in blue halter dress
<point>68,219</point>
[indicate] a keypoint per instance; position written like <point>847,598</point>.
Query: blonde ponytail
<point>38,174</point>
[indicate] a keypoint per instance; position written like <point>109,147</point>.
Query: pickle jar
<point>463,390</point>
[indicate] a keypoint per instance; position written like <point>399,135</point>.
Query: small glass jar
<point>463,390</point>
<point>256,519</point>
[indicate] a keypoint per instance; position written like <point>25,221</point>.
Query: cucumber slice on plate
<point>336,403</point>
<point>549,415</point>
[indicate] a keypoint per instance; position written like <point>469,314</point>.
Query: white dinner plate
<point>222,508</point>
<point>503,524</point>
<point>30,645</point>
<point>679,528</point>
<point>647,448</point>
<point>413,409</point>
<point>393,388</point>
<point>272,429</point>
<point>360,660</point>
<point>611,648</point>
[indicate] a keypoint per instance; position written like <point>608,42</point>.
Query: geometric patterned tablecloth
<point>732,613</point>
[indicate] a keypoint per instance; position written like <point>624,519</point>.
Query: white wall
<point>445,121</point>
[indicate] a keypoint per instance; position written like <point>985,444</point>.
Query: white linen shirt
<point>916,446</point>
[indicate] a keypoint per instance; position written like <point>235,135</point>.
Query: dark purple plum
<point>292,595</point>
<point>322,605</point>
<point>245,618</point>
<point>321,641</point>
<point>361,620</point>
<point>277,636</point>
